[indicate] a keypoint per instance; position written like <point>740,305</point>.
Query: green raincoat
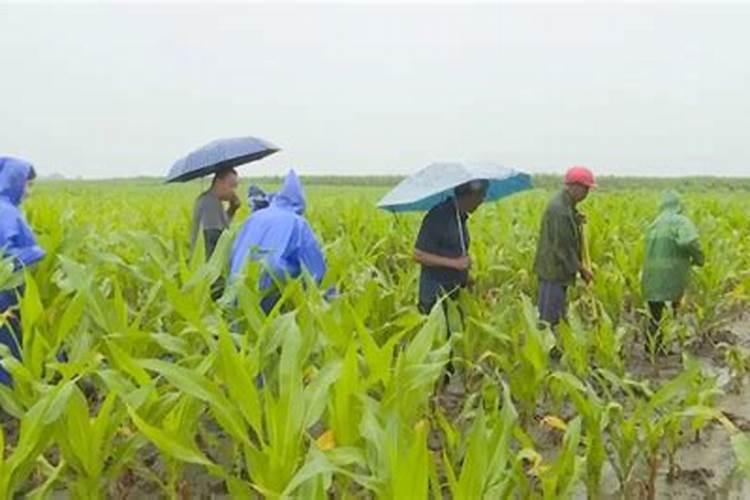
<point>672,246</point>
<point>558,251</point>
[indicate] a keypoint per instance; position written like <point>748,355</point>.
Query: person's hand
<point>462,263</point>
<point>234,203</point>
<point>587,275</point>
<point>581,218</point>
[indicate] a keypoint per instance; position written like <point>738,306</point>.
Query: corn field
<point>168,394</point>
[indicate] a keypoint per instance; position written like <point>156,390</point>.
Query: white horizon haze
<point>122,90</point>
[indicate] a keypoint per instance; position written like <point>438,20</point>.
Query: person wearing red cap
<point>558,254</point>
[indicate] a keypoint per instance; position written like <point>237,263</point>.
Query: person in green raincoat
<point>672,248</point>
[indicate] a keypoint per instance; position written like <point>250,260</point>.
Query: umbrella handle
<point>460,228</point>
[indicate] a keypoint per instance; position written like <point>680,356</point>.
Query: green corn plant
<point>527,376</point>
<point>625,444</point>
<point>560,478</point>
<point>737,359</point>
<point>575,344</point>
<point>86,444</point>
<point>595,415</point>
<point>487,463</point>
<point>35,436</point>
<point>396,453</point>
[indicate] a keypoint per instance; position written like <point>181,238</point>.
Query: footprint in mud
<point>697,478</point>
<point>741,422</point>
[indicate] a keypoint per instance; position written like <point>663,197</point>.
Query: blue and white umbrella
<point>435,183</point>
<point>218,155</point>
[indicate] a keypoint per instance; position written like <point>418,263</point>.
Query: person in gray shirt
<point>209,214</point>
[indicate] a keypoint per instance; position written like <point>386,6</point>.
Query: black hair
<point>471,187</point>
<point>32,174</point>
<point>223,173</point>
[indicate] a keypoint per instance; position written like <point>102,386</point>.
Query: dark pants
<point>553,302</point>
<point>269,300</point>
<point>657,312</point>
<point>10,336</point>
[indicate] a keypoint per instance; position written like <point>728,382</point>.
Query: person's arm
<point>697,257</point>
<point>234,205</point>
<point>566,244</point>
<point>687,240</point>
<point>428,244</point>
<point>432,260</point>
<point>21,245</point>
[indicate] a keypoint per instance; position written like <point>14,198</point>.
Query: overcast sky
<point>119,90</point>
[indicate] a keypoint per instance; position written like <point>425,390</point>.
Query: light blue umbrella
<point>218,155</point>
<point>435,183</point>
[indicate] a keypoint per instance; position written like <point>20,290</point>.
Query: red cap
<point>580,175</point>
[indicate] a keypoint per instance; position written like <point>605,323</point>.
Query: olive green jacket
<point>558,252</point>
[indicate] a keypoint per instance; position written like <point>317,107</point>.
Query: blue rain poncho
<point>16,239</point>
<point>280,238</point>
<point>18,245</point>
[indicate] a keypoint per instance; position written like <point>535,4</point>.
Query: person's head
<point>15,176</point>
<point>257,198</point>
<point>471,194</point>
<point>578,182</point>
<point>671,202</point>
<point>225,183</point>
<point>30,179</point>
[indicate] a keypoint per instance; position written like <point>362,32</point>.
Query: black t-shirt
<point>440,234</point>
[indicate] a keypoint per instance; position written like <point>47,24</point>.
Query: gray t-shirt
<point>209,216</point>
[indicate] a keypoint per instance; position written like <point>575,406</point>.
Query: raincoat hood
<point>14,174</point>
<point>291,196</point>
<point>671,202</point>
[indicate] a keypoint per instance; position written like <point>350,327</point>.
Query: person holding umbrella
<point>218,158</point>
<point>443,243</point>
<point>209,214</point>
<point>19,248</point>
<point>559,249</point>
<point>449,192</point>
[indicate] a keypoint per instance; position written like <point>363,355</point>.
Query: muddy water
<point>706,467</point>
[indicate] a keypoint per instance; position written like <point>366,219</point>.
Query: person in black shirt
<point>442,250</point>
<point>443,244</point>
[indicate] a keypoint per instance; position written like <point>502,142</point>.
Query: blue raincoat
<point>17,243</point>
<point>281,238</point>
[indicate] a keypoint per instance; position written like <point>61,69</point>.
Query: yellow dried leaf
<point>555,423</point>
<point>326,441</point>
<point>539,469</point>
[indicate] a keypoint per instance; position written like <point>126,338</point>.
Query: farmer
<point>209,214</point>
<point>558,254</point>
<point>282,240</point>
<point>19,248</point>
<point>442,250</point>
<point>443,243</point>
<point>672,247</point>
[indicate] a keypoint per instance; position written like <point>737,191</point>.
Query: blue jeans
<point>553,302</point>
